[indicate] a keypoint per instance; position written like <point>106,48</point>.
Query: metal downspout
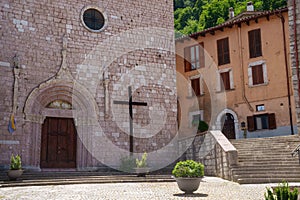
<point>287,71</point>
<point>243,76</point>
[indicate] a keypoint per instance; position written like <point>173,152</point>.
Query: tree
<point>195,15</point>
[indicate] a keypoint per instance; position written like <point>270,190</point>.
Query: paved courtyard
<point>210,188</point>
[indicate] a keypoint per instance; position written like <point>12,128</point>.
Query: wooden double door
<point>59,140</point>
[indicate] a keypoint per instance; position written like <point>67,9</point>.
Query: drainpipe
<point>243,76</point>
<point>296,47</point>
<point>287,71</point>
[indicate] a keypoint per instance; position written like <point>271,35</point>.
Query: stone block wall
<point>136,48</point>
<point>212,150</point>
<point>294,27</point>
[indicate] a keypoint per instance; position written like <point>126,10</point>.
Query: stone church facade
<point>65,65</point>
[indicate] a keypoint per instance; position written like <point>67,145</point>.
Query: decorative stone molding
<point>70,91</point>
<point>236,121</point>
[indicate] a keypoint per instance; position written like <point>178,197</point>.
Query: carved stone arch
<point>236,121</point>
<point>84,112</point>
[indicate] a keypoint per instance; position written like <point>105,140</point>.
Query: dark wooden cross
<point>130,103</point>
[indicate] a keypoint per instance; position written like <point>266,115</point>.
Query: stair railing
<point>296,151</point>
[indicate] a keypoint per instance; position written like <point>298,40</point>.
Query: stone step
<point>265,160</point>
<point>267,176</point>
<point>266,157</point>
<point>265,180</point>
<point>266,170</point>
<point>270,163</point>
<point>35,179</point>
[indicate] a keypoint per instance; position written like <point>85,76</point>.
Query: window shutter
<point>272,121</point>
<point>196,86</point>
<point>250,122</point>
<point>226,80</point>
<point>223,51</point>
<point>187,59</point>
<point>257,43</point>
<point>254,43</point>
<point>202,55</point>
<point>226,51</point>
<point>220,52</point>
<point>251,44</point>
<point>257,74</point>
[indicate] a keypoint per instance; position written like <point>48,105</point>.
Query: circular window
<point>93,19</point>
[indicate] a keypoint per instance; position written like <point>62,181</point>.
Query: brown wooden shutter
<point>196,86</point>
<point>251,44</point>
<point>257,74</point>
<point>250,123</point>
<point>187,59</point>
<point>220,52</point>
<point>254,43</point>
<point>272,121</point>
<point>258,51</point>
<point>226,51</point>
<point>223,51</point>
<point>226,80</point>
<point>202,55</point>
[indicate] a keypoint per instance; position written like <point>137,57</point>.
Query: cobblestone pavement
<point>210,188</point>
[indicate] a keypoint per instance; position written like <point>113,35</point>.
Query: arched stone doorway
<point>82,112</point>
<point>228,126</point>
<point>227,121</point>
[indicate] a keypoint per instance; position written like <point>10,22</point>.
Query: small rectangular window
<point>223,51</point>
<point>260,108</point>
<point>255,43</point>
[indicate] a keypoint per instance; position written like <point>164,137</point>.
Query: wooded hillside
<point>195,15</point>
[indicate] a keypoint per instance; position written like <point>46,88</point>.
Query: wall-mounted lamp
<point>244,128</point>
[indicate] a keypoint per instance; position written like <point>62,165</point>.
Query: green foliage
<point>143,162</point>
<point>188,168</point>
<point>202,125</point>
<point>282,192</point>
<point>15,162</point>
<point>195,15</point>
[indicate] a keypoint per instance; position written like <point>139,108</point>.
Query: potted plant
<point>15,170</point>
<point>141,166</point>
<point>188,175</point>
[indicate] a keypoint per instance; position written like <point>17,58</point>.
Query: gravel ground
<point>210,188</point>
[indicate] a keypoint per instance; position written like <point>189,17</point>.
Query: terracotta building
<point>67,69</point>
<point>239,73</point>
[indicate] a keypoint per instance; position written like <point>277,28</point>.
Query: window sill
<point>258,85</point>
<point>261,130</point>
<point>192,70</point>
<point>195,96</point>
<point>256,57</point>
<point>229,90</point>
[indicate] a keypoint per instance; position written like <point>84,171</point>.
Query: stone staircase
<point>266,160</point>
<point>62,178</point>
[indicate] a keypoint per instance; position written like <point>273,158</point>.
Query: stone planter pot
<point>188,185</point>
<point>14,174</point>
<point>142,171</point>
